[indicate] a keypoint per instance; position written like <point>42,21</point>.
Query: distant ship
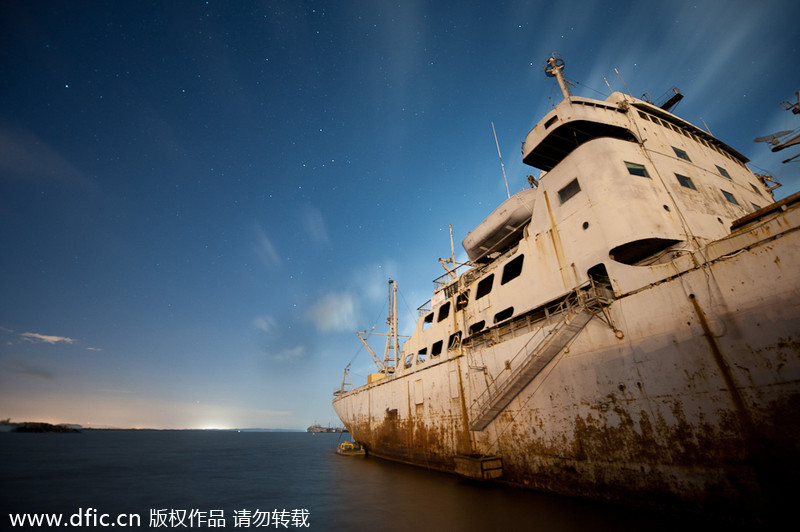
<point>626,329</point>
<point>319,428</point>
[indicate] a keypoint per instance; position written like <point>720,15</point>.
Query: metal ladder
<point>576,310</point>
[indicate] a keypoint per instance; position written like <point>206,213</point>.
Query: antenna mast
<point>501,166</point>
<point>553,67</point>
<point>392,343</point>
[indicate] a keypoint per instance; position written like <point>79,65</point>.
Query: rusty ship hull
<point>647,348</point>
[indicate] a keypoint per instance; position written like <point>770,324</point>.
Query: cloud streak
<point>26,156</point>
<point>266,250</point>
<point>48,339</point>
<point>21,367</point>
<point>315,225</point>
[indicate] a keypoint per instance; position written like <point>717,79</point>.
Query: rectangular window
<point>512,270</point>
<point>504,314</point>
<point>755,189</point>
<point>427,321</point>
<point>681,154</point>
<point>685,181</point>
<point>730,197</point>
<point>477,327</point>
<point>723,172</point>
<point>423,353</point>
<point>636,169</point>
<point>444,311</point>
<point>454,341</point>
<point>436,348</point>
<point>484,287</point>
<point>568,191</point>
<point>461,300</point>
<point>643,115</point>
<point>756,207</point>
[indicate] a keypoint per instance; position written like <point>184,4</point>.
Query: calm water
<point>134,472</point>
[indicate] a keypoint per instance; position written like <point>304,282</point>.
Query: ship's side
<point>638,339</point>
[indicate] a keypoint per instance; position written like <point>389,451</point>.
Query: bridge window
<point>636,169</point>
<point>572,188</point>
<point>685,181</point>
<point>681,154</point>
<point>730,197</point>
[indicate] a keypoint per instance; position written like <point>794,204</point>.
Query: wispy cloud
<point>336,311</point>
<point>22,367</point>
<point>315,225</point>
<point>265,323</point>
<point>265,249</point>
<point>26,156</point>
<point>36,338</point>
<point>292,353</point>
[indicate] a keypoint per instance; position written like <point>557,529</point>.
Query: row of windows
<point>686,181</point>
<point>511,271</point>
<point>436,349</point>
<point>691,135</point>
<point>573,187</point>
<point>683,155</point>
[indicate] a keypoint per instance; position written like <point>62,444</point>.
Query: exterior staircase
<point>576,311</point>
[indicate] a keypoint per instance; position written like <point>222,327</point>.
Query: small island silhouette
<point>36,426</point>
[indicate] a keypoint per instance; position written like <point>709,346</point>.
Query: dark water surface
<point>139,471</point>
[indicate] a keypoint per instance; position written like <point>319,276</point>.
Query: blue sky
<point>201,202</point>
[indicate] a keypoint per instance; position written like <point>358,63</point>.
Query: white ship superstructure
<point>628,327</point>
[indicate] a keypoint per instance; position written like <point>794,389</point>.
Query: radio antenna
<point>623,81</point>
<point>501,160</point>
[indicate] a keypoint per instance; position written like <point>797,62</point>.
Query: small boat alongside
<point>348,448</point>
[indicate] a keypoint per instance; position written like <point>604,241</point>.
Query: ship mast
<point>392,344</point>
<point>553,67</point>
<point>391,353</point>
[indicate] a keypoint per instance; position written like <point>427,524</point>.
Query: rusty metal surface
<point>701,412</point>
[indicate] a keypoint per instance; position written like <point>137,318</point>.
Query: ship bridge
<point>573,122</point>
<point>577,120</point>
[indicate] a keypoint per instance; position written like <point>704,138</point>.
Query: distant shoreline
<point>39,426</point>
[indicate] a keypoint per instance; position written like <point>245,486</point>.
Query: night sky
<point>201,202</point>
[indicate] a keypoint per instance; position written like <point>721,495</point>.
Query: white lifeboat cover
<point>498,229</point>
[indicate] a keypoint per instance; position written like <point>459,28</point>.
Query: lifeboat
<point>501,229</point>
